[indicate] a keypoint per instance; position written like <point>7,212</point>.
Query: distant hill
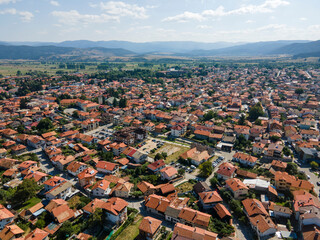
<point>249,49</point>
<point>84,50</point>
<point>299,48</point>
<point>53,52</point>
<point>142,48</point>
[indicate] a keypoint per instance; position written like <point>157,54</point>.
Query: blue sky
<point>159,20</point>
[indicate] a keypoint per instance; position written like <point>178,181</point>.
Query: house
<point>280,211</point>
<point>197,157</point>
<point>258,147</point>
<point>156,166</point>
<point>115,210</point>
<point>74,168</point>
<point>238,189</point>
<point>27,164</point>
<point>279,165</point>
<point>222,211</point>
<point>101,188</point>
<point>93,205</point>
<point>209,199</point>
<point>31,213</point>
<point>60,210</point>
<point>18,149</point>
<point>87,177</point>
<point>245,159</point>
<point>263,225</point>
<point>60,191</point>
<point>174,208</point>
<point>168,173</point>
<point>107,167</point>
<point>38,177</point>
<point>285,181</point>
<point>6,216</point>
<point>149,228</point>
<point>11,232</point>
<point>156,204</point>
<point>63,163</point>
<point>52,182</point>
<point>201,187</point>
<point>194,218</point>
<point>150,126</point>
<point>52,151</point>
<point>226,170</point>
<point>178,130</point>
<point>274,150</point>
<point>185,232</point>
<point>122,190</point>
<point>146,188</point>
<point>309,134</point>
<point>37,234</point>
<point>253,207</point>
<point>36,142</point>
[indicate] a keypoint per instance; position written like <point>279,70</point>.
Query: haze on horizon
<point>159,20</point>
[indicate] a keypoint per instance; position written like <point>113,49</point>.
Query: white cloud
<point>73,17</point>
<point>266,7</point>
<point>184,17</point>
<point>122,9</point>
<point>249,21</point>
<point>24,15</point>
<point>55,3</point>
<point>204,27</point>
<point>7,1</point>
<point>303,19</point>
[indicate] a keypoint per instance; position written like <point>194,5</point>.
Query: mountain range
<point>84,50</point>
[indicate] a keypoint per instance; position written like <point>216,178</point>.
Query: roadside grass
<point>132,231</point>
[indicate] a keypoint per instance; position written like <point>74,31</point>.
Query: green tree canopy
<point>205,169</point>
<point>27,189</point>
<point>44,125</point>
<point>255,112</point>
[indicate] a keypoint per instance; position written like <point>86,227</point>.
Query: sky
<point>159,20</point>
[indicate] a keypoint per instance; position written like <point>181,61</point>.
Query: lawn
<point>30,203</point>
<point>132,231</point>
<point>185,187</point>
<point>173,151</point>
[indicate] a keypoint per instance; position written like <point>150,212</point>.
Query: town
<point>202,150</point>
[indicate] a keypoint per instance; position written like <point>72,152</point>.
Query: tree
<point>314,165</point>
<point>123,103</point>
<point>258,122</point>
<point>242,120</point>
<point>75,114</point>
<point>299,91</point>
<point>205,169</point>
<point>44,125</point>
<point>158,156</point>
<point>181,171</point>
<point>292,168</point>
<point>27,189</point>
<point>208,116</point>
<point>65,231</point>
<point>214,181</point>
<point>23,103</point>
<point>255,112</point>
<point>274,138</point>
<point>286,151</point>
